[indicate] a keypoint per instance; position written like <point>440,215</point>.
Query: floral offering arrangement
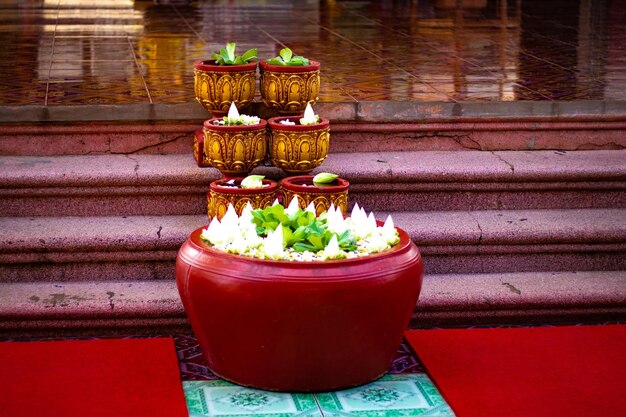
<point>236,119</point>
<point>293,234</point>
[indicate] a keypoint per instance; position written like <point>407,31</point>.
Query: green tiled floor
<point>392,395</point>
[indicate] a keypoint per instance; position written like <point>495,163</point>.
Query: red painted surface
<point>210,65</point>
<point>298,326</point>
<point>222,186</point>
<point>274,124</point>
<point>304,184</point>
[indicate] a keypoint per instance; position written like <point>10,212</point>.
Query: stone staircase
<point>88,242</point>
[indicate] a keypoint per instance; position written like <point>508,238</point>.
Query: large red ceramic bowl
<point>298,326</point>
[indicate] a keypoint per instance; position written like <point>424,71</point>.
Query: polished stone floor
<point>76,52</point>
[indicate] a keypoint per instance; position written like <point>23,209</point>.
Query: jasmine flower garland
<point>299,235</point>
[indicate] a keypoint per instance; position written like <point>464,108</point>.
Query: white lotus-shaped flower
<point>213,233</point>
<point>360,225</point>
<point>332,251</point>
<point>293,207</point>
<point>273,244</point>
<point>230,224</point>
<point>389,232</point>
<point>246,214</point>
<point>371,224</point>
<point>310,208</point>
<point>233,113</point>
<point>374,243</point>
<point>335,221</point>
<point>309,117</point>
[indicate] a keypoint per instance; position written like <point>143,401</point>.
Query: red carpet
<point>96,378</point>
<point>547,371</point>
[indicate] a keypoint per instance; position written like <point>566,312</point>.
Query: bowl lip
<point>274,124</point>
<point>294,183</point>
<point>402,246</point>
<point>217,187</point>
<point>210,65</point>
<point>209,126</point>
<point>313,66</point>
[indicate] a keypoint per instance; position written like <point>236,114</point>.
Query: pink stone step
<point>119,307</point>
<point>74,308</point>
<point>524,298</point>
<point>518,240</point>
<point>109,185</point>
<point>87,248</point>
<point>356,127</point>
<point>144,247</point>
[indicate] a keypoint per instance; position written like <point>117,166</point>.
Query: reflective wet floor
<point>73,52</point>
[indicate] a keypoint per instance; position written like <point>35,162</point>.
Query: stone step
<point>355,127</point>
<point>143,248</point>
<point>116,307</point>
<point>109,185</point>
<point>521,298</point>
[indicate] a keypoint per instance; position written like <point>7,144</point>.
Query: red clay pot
<point>298,326</point>
<point>297,149</point>
<point>220,195</point>
<point>217,86</point>
<point>288,89</point>
<point>321,196</point>
<point>234,150</point>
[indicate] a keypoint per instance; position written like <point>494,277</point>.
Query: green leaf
<point>317,228</point>
<point>286,54</point>
<point>305,218</point>
<point>300,234</point>
<point>223,55</point>
<point>249,55</point>
<point>270,225</point>
<point>346,241</point>
<point>258,217</point>
<point>276,61</point>
<point>230,50</point>
<point>287,235</point>
<point>317,241</point>
<point>303,246</point>
<point>298,61</point>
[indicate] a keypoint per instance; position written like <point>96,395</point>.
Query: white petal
<point>309,114</point>
<point>233,113</point>
<point>293,206</point>
<point>274,243</point>
<point>355,210</point>
<point>332,250</point>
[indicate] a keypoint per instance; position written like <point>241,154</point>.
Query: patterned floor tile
<point>220,398</point>
<point>98,91</point>
<point>391,395</point>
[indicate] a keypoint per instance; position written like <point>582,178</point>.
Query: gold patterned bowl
<point>288,89</point>
<point>234,150</point>
<point>297,149</point>
<point>322,196</point>
<point>217,86</point>
<point>228,191</point>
